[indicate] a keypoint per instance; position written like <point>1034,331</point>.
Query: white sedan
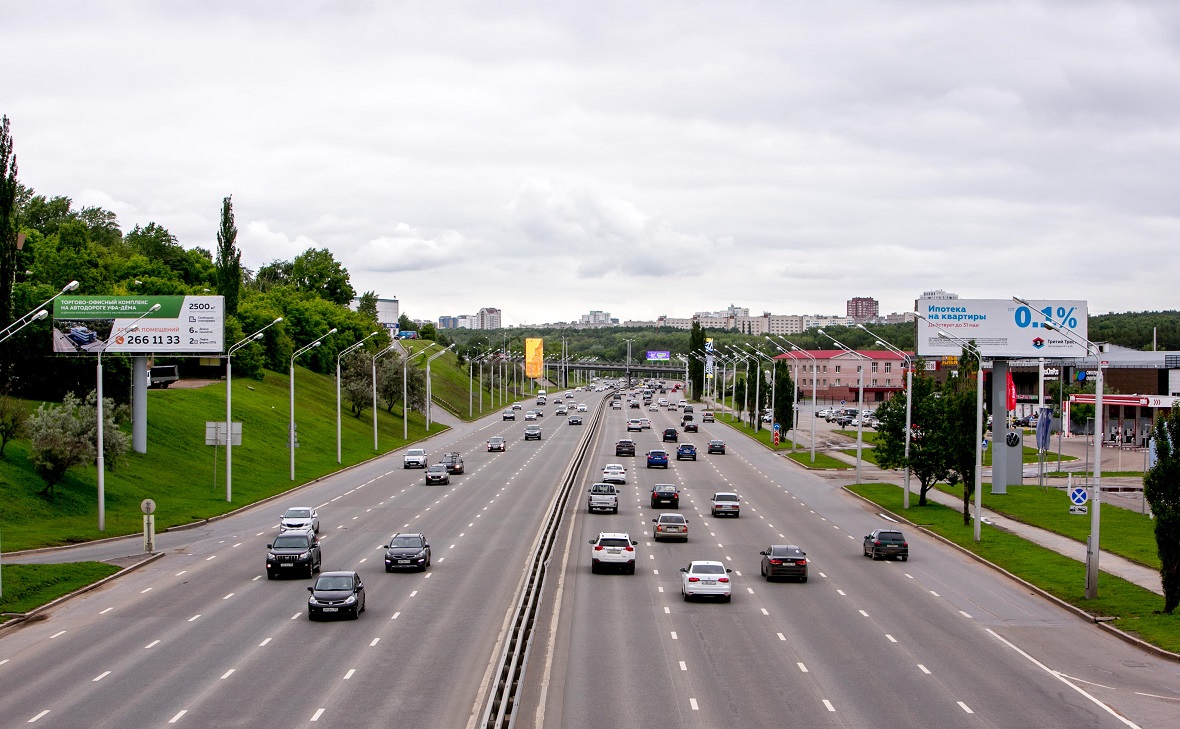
<point>705,578</point>
<point>582,407</point>
<point>614,473</point>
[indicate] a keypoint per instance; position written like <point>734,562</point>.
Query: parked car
<point>532,432</point>
<point>603,497</point>
<point>657,458</point>
<point>336,593</point>
<point>300,517</point>
<point>496,443</point>
<point>437,473</point>
<point>725,503</point>
<point>293,553</point>
<point>665,494</point>
<point>703,578</point>
<point>415,458</point>
<point>407,551</point>
<point>613,549</point>
<point>784,560</point>
<point>670,435</point>
<point>686,451</point>
<point>716,446</point>
<point>454,462</point>
<point>885,543</point>
<point>670,526</point>
<point>625,447</point>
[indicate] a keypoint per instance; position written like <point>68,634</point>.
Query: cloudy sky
<point>642,158</point>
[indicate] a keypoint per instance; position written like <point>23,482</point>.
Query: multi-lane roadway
<point>202,638</point>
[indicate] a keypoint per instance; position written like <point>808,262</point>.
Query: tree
<point>115,442</point>
<point>1161,488</point>
<point>696,368</point>
<point>427,331</point>
<point>59,440</point>
<point>957,427</point>
<point>404,324</point>
<point>229,258</point>
<point>389,384</point>
<point>783,392</point>
<point>356,376</point>
<point>275,273</point>
<point>367,305</point>
<point>12,419</point>
<point>318,272</point>
<point>8,226</point>
<point>928,459</point>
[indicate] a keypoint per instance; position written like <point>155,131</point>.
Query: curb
<point>1124,636</point>
<point>22,617</point>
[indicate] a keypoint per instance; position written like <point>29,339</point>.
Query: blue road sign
<point>1078,495</point>
<point>778,426</point>
<point>842,402</point>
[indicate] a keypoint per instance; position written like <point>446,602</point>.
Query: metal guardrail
<point>500,710</point>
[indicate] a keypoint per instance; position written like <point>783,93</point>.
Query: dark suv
<point>686,450</point>
<point>454,463</point>
<point>886,543</point>
<point>407,551</point>
<point>625,447</point>
<point>671,435</point>
<point>293,552</point>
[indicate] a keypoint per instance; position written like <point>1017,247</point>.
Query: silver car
<point>670,526</point>
<point>300,517</point>
<point>704,578</point>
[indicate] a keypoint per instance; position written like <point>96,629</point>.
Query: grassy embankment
<point>801,456</point>
<point>450,387</point>
<point>27,586</point>
<point>1135,609</point>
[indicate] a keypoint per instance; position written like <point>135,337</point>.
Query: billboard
<point>663,356</point>
<point>708,358</point>
<point>1002,327</point>
<point>182,324</point>
<point>534,357</point>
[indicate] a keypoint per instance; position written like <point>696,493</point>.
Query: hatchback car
<point>625,447</point>
<point>657,458</point>
<point>665,494</point>
<point>438,473</point>
<point>686,451</point>
<point>784,560</point>
<point>336,593</point>
<point>300,517</point>
<point>495,443</point>
<point>670,526</point>
<point>716,446</point>
<point>613,549</point>
<point>407,551</point>
<point>670,435</point>
<point>705,579</point>
<point>882,543</point>
<point>532,432</point>
<point>725,503</point>
<point>293,553</point>
<point>614,473</point>
<point>708,417</point>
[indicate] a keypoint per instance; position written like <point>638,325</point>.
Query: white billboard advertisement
<point>1003,327</point>
<point>180,324</point>
<point>659,355</point>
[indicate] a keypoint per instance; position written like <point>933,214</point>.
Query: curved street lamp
<point>430,359</point>
<point>229,436</point>
<point>291,381</point>
<point>32,312</point>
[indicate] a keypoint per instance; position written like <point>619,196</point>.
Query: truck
<point>161,376</point>
<point>603,497</point>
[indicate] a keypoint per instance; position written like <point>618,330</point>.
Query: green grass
<point>869,436</point>
<point>1135,608</point>
<point>1124,532</point>
<point>27,586</point>
<point>184,476</point>
<point>765,436</point>
<point>1087,474</point>
<point>866,454</point>
<point>451,388</point>
<point>822,460</point>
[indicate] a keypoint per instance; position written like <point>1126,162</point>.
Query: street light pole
<point>383,352</point>
<point>99,458</point>
<point>339,357</point>
<point>909,404</point>
<point>229,439</point>
<point>773,385</point>
<point>291,383</point>
<point>430,359</point>
<point>35,312</point>
<point>860,400</point>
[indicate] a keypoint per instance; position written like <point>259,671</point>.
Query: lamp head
<point>821,331</point>
<point>40,315</point>
<point>331,331</point>
<point>318,343</point>
<point>155,307</point>
<point>257,336</point>
<point>73,285</point>
<point>131,328</point>
<point>1019,300</point>
<point>276,321</point>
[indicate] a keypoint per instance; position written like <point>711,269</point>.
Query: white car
<point>705,578</point>
<point>614,473</point>
<point>725,503</point>
<point>634,424</point>
<point>530,415</point>
<point>653,407</point>
<point>614,549</point>
<point>415,458</point>
<point>300,517</point>
<point>645,422</point>
<point>582,407</point>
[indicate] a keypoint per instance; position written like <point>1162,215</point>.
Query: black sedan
<point>716,446</point>
<point>575,419</point>
<point>665,494</point>
<point>625,447</point>
<point>336,593</point>
<point>784,560</point>
<point>690,427</point>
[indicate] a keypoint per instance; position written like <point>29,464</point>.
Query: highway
<point>201,638</point>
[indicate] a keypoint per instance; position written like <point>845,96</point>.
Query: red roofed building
<point>837,376</point>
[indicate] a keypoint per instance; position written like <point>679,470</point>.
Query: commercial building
<point>837,374</point>
<point>862,309</point>
<point>388,311</point>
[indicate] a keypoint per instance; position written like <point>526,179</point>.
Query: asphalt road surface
<point>201,637</point>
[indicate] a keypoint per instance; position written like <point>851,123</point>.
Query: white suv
<point>415,458</point>
<point>614,549</point>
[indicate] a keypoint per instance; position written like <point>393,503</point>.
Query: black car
<point>575,419</point>
<point>495,443</point>
<point>686,450</point>
<point>336,593</point>
<point>532,432</point>
<point>454,463</point>
<point>665,494</point>
<point>670,435</point>
<point>437,473</point>
<point>293,553</point>
<point>690,428</point>
<point>716,446</point>
<point>784,560</point>
<point>886,543</point>
<point>407,551</point>
<point>625,447</point>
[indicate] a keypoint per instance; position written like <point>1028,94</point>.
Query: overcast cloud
<point>640,158</point>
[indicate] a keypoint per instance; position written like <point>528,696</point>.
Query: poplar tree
<point>229,259</point>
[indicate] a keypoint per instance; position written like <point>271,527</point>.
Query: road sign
<point>776,431</point>
<point>1078,495</point>
<point>1078,510</point>
<point>778,427</point>
<point>843,402</point>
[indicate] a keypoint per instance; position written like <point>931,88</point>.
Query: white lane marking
<point>178,574</point>
<point>149,645</point>
<point>100,676</point>
<point>924,669</point>
<point>256,578</point>
<point>764,612</point>
<point>60,632</point>
<point>1065,681</point>
<point>38,716</point>
<point>781,636</point>
<point>802,667</point>
<point>212,556</point>
<point>318,713</point>
<point>862,612</point>
<point>374,642</point>
<point>1154,696</point>
<point>295,616</point>
<point>852,537</point>
<point>395,615</point>
<point>259,534</point>
<point>349,674</point>
<point>414,592</point>
<point>651,556</point>
<point>661,589</point>
<point>841,592</point>
<point>655,572</point>
<point>829,705</point>
<point>821,574</point>
<point>750,590</point>
<point>667,610</point>
<point>145,591</point>
<point>264,642</point>
<point>104,612</point>
<point>964,707</point>
<point>228,596</point>
<point>428,574</point>
<point>364,560</point>
<point>1091,683</point>
<point>673,635</point>
<point>932,592</point>
<point>194,617</point>
<point>3,662</point>
<point>179,714</point>
<point>228,673</point>
<point>891,638</point>
<point>966,615</point>
<point>236,545</point>
<point>693,703</point>
<point>907,574</point>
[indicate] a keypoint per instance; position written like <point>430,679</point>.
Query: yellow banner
<point>534,357</point>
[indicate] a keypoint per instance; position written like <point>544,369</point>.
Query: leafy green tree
<point>8,225</point>
<point>367,305</point>
<point>356,381</point>
<point>928,459</point>
<point>783,392</point>
<point>318,272</point>
<point>1161,488</point>
<point>275,273</point>
<point>115,442</point>
<point>12,419</point>
<point>696,368</point>
<point>427,331</point>
<point>405,324</point>
<point>59,440</point>
<point>957,428</point>
<point>229,258</point>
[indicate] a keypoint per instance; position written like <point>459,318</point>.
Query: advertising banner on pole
<point>534,357</point>
<point>709,357</point>
<point>663,356</point>
<point>182,324</point>
<point>1002,327</point>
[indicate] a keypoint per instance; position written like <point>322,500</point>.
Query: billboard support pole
<point>139,383</point>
